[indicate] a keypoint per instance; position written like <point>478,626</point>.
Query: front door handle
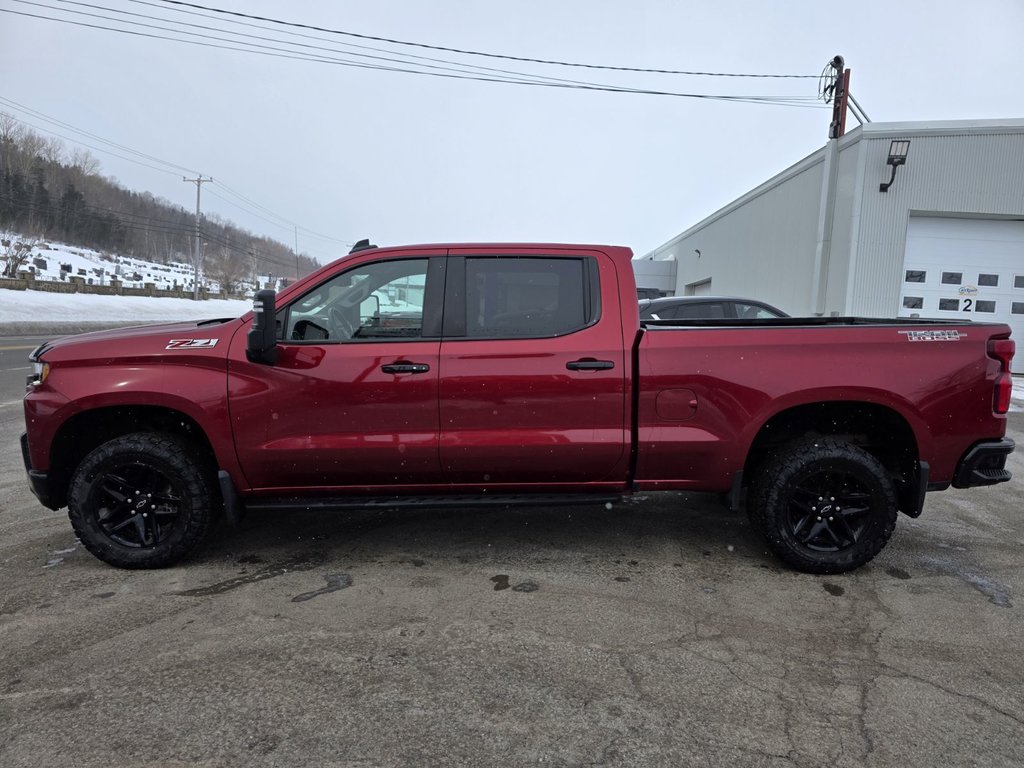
<point>590,364</point>
<point>405,368</point>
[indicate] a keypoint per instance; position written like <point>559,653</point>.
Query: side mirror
<point>262,339</point>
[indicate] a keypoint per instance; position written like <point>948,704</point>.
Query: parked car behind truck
<point>714,307</point>
<point>498,374</point>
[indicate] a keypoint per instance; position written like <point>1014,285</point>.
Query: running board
<point>403,502</point>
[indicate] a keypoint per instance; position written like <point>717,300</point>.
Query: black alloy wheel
<point>824,505</point>
<point>828,510</point>
<point>143,500</point>
<point>137,505</point>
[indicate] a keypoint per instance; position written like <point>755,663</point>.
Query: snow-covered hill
<point>56,262</point>
<point>53,261</point>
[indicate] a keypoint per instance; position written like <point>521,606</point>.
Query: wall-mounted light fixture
<point>898,150</point>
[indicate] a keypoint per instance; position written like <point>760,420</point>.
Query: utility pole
<point>838,125</point>
<point>829,184</point>
<point>195,249</point>
<point>296,253</point>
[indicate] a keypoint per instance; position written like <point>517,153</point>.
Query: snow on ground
<point>43,307</point>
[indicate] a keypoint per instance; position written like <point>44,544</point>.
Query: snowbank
<point>39,308</point>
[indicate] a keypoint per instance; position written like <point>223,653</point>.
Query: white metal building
<point>820,238</point>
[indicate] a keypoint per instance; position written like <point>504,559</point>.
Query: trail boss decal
<point>191,343</point>
<point>933,335</point>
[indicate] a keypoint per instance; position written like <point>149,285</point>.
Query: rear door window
<point>515,297</point>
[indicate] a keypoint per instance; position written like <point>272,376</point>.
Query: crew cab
<point>502,374</point>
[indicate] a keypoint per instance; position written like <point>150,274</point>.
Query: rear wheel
<point>825,506</point>
<point>141,501</point>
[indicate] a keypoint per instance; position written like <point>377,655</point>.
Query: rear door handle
<point>405,368</point>
<point>589,364</point>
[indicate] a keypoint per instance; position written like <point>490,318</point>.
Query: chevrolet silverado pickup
<point>506,374</point>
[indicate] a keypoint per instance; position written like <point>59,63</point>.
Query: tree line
<point>50,192</point>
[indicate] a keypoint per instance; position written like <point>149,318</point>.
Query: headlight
<point>39,373</point>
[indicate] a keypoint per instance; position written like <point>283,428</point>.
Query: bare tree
<point>15,253</point>
<point>227,267</point>
<point>83,161</point>
<point>10,139</point>
<point>51,150</point>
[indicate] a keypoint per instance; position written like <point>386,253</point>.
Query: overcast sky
<point>403,158</point>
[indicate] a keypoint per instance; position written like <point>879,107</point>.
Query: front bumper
<point>984,464</point>
<point>38,482</point>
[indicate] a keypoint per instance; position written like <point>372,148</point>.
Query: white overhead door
<point>703,288</point>
<point>966,269</point>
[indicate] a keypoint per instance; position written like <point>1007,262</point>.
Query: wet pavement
<point>657,632</point>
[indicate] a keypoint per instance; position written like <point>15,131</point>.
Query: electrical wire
<point>477,53</point>
<point>277,53</point>
<point>457,66</point>
<point>10,103</point>
<point>827,83</point>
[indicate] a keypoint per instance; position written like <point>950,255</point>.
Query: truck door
<point>533,369</point>
<point>352,398</point>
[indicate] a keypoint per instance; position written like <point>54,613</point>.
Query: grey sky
<point>402,158</point>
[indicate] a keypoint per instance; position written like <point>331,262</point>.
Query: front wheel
<point>824,505</point>
<point>141,500</point>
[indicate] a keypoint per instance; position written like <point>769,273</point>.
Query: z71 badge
<point>191,343</point>
<point>933,335</point>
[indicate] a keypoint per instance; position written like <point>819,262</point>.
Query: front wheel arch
<point>82,433</point>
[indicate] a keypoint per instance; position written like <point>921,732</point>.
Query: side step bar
<point>400,502</point>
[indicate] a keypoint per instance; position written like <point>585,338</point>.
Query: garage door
<point>966,269</point>
<point>703,288</point>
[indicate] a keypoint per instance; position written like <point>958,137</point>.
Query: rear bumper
<point>984,464</point>
<point>38,482</point>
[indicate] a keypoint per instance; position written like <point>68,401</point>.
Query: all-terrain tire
<point>143,500</point>
<point>824,505</point>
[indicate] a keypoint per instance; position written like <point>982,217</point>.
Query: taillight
<point>1002,350</point>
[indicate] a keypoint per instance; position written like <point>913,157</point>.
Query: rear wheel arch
<point>879,430</point>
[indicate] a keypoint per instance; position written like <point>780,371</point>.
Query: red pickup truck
<point>505,374</point>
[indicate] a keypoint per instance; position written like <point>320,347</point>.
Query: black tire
<point>142,500</point>
<point>824,505</point>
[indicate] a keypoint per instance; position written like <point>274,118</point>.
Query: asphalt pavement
<point>655,633</point>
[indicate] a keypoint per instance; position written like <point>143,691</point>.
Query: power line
<point>479,53</point>
<point>775,101</point>
<point>10,103</point>
<point>46,118</point>
<point>156,226</point>
<point>405,56</point>
<point>90,146</point>
<point>457,66</point>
